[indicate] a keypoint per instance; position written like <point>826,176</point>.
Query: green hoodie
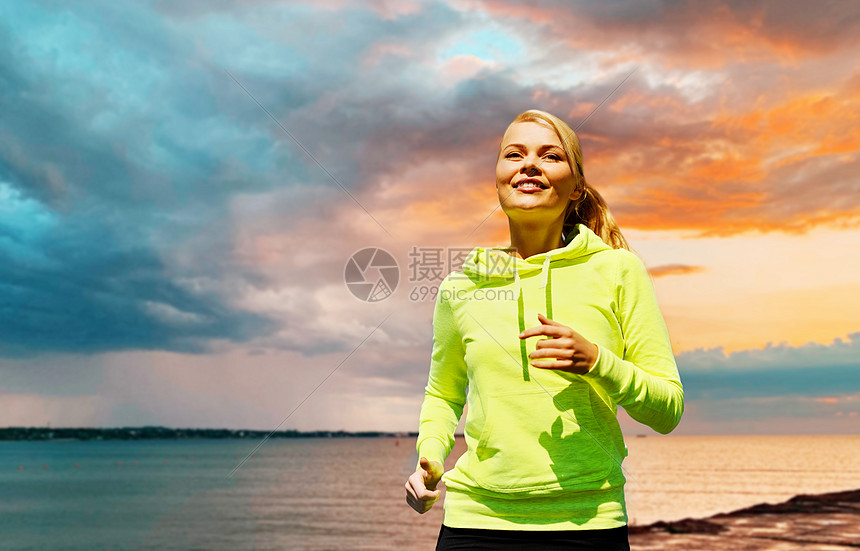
<point>544,448</point>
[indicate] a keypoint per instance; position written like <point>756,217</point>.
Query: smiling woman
<point>542,468</point>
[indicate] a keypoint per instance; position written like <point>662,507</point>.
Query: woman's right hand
<point>421,492</point>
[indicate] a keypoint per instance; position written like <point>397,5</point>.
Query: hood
<point>494,265</point>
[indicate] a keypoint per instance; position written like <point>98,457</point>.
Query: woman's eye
<point>550,155</point>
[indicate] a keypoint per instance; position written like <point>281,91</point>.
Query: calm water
<point>348,493</point>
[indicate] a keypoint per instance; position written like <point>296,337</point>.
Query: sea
<point>348,493</point>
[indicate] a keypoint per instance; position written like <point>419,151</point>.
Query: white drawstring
<point>516,283</point>
<point>544,271</point>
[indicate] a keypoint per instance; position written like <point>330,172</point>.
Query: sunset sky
<point>183,183</point>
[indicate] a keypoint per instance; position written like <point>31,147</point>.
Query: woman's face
<point>531,151</point>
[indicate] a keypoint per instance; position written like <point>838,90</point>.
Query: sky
<point>182,185</point>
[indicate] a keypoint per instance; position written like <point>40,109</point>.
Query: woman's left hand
<point>575,353</point>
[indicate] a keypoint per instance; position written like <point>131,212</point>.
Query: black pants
<point>612,539</point>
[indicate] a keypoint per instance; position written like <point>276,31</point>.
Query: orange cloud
<point>785,166</point>
<point>674,269</point>
<point>845,398</point>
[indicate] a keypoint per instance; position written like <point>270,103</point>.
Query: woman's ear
<point>575,194</point>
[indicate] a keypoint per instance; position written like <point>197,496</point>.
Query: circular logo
<point>371,274</point>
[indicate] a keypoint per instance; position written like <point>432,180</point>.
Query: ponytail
<point>591,210</point>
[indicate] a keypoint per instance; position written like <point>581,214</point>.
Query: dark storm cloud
<point>123,144</point>
<point>91,297</point>
<point>103,176</point>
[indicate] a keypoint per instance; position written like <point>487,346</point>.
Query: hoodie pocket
<point>542,440</point>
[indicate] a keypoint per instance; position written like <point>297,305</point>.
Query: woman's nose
<point>530,163</point>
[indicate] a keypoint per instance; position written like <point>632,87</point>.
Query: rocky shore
<point>816,522</point>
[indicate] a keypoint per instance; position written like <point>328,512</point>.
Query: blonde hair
<point>590,208</point>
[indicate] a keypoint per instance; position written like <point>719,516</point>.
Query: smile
<point>530,185</point>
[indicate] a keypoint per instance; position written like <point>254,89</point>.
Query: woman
<point>542,468</point>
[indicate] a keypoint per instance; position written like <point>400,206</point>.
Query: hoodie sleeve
<point>645,381</point>
<point>445,393</point>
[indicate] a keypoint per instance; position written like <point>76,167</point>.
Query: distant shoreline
<point>166,433</point>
